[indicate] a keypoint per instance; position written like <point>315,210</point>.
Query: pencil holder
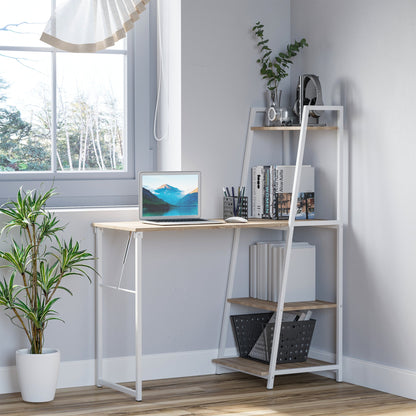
<point>234,206</point>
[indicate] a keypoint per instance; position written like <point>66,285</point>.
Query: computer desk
<point>137,230</point>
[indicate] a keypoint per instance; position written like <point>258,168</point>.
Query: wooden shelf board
<point>291,128</point>
<point>262,370</point>
<point>317,223</point>
<point>289,306</point>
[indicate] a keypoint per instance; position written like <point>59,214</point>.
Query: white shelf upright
<point>271,370</point>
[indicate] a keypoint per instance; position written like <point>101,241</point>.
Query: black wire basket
<point>254,337</point>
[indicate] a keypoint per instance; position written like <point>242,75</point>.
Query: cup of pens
<point>235,204</point>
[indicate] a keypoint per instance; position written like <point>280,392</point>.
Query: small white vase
<point>38,374</point>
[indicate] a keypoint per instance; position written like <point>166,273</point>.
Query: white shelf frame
<point>336,224</point>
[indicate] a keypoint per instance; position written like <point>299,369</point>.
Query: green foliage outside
<point>88,138</point>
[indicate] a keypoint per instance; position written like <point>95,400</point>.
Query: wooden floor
<point>228,394</point>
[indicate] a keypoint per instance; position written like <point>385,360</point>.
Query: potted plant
<point>42,261</point>
<point>274,69</point>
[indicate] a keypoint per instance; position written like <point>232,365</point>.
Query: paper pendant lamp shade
<point>91,25</point>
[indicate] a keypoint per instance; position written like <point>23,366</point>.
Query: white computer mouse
<point>235,219</point>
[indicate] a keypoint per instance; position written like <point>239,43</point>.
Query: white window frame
<point>101,188</point>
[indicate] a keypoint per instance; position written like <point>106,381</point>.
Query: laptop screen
<point>164,195</point>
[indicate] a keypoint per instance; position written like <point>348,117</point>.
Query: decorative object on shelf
<point>43,261</point>
<point>274,70</point>
<point>308,92</point>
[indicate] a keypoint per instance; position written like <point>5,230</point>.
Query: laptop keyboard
<point>173,220</point>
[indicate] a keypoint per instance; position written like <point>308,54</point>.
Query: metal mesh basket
<point>234,206</point>
<point>254,330</point>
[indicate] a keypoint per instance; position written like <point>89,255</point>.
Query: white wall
<point>364,54</point>
<point>220,82</point>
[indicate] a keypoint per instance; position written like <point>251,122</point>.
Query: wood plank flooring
<point>226,395</point>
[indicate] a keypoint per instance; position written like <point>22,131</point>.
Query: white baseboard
<point>380,377</point>
<point>372,375</point>
<point>155,366</point>
<point>192,363</point>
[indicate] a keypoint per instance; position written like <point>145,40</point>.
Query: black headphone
<point>302,99</point>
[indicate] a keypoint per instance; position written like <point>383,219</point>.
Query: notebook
<point>171,198</point>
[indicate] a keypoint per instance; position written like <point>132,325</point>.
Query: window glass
<point>22,21</point>
<point>90,112</point>
<point>61,112</point>
<point>25,111</point>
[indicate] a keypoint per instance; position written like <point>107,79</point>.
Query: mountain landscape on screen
<point>167,200</point>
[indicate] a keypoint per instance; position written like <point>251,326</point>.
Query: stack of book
<point>266,271</point>
<point>271,192</point>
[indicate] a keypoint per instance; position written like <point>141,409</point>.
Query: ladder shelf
<point>269,371</point>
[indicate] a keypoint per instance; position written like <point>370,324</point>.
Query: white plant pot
<point>38,374</point>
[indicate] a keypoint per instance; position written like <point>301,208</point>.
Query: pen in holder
<point>235,206</point>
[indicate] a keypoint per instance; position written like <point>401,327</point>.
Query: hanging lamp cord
<point>160,78</point>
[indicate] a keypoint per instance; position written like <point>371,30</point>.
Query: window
<point>68,117</point>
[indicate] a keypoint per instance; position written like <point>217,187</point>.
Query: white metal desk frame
<point>137,292</point>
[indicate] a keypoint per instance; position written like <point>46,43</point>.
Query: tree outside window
<point>59,112</point>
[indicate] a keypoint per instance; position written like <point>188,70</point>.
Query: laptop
<point>171,198</point>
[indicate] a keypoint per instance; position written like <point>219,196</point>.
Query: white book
<point>253,270</point>
<point>257,191</point>
<point>308,315</point>
<point>301,284</point>
<point>262,270</point>
<point>302,316</point>
<point>289,317</point>
<point>275,271</point>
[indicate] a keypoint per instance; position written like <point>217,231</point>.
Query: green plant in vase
<point>42,261</point>
<point>274,69</point>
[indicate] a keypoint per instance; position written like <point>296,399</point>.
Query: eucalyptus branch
<point>275,69</point>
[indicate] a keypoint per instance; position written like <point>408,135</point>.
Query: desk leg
<point>229,293</point>
<point>98,307</point>
<point>138,237</point>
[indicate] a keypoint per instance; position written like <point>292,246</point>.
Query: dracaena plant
<point>274,69</point>
<point>39,263</point>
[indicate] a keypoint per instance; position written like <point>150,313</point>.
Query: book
<point>271,192</point>
<point>257,193</point>
<point>275,271</point>
<point>285,176</point>
<point>268,192</point>
<point>301,284</point>
<point>253,270</point>
<point>262,270</point>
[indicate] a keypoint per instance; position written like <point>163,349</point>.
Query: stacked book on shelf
<point>266,271</point>
<point>271,192</point>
